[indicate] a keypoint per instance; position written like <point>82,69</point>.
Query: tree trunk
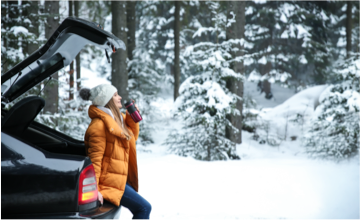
<point>177,50</point>
<point>236,31</point>
<point>32,46</point>
<point>348,28</point>
<point>51,91</point>
<point>267,89</point>
<point>71,71</point>
<point>266,85</point>
<point>131,25</point>
<point>119,75</point>
<point>77,59</point>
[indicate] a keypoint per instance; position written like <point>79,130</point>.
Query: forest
<point>206,52</point>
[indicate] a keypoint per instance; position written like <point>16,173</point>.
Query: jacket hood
<point>109,122</point>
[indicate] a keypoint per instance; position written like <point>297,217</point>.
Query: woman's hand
<point>100,198</point>
<point>137,108</point>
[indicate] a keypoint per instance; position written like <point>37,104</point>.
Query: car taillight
<point>88,191</point>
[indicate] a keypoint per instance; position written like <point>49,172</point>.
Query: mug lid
<point>128,104</point>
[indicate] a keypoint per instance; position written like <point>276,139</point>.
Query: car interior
<point>19,122</point>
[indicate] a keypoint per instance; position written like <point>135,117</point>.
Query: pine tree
<point>317,48</point>
<point>72,118</point>
<point>145,69</point>
<point>163,13</point>
<point>335,132</point>
<point>16,32</point>
<point>263,29</point>
<point>204,100</point>
<point>96,11</point>
<point>294,42</point>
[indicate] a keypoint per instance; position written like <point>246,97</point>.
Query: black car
<point>44,173</point>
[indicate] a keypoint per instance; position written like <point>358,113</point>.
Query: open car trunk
<point>52,140</point>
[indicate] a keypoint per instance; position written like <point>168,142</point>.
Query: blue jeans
<point>139,207</point>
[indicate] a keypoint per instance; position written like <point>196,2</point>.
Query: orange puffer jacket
<point>113,157</point>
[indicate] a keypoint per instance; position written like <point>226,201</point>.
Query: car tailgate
<point>36,181</point>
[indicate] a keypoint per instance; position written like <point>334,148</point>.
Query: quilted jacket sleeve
<point>96,146</point>
<point>134,127</point>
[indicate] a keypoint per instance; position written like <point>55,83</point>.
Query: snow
<point>280,94</point>
<point>107,25</point>
<point>249,10</point>
<point>262,60</point>
<point>215,92</point>
<point>268,182</point>
<point>352,97</point>
<point>19,29</point>
<point>288,9</point>
<point>289,119</point>
<point>201,30</point>
<point>284,35</point>
<point>254,76</point>
<point>91,79</point>
<point>169,45</point>
<point>260,1</point>
<point>194,3</point>
<point>262,30</point>
<point>301,100</point>
<point>302,32</point>
<point>302,59</point>
<point>333,19</point>
<point>282,57</point>
<point>283,18</point>
<point>277,26</point>
<point>324,16</point>
<point>343,8</point>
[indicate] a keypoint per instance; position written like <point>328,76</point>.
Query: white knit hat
<point>100,95</point>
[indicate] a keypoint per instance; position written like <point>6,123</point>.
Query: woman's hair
<point>116,112</point>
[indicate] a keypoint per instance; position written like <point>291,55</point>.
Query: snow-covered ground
<point>280,94</point>
<point>268,182</point>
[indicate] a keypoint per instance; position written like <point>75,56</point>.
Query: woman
<point>110,142</point>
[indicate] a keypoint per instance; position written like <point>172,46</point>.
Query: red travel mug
<point>135,115</point>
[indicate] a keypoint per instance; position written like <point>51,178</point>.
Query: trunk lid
<point>59,51</point>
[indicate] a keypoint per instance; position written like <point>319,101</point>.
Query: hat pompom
<point>84,93</point>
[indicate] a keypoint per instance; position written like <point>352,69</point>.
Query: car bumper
<point>107,211</point>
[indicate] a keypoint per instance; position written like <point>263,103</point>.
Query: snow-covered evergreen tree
<point>145,70</point>
<point>72,117</point>
<point>15,33</point>
<point>335,132</point>
<point>204,100</point>
<point>294,40</point>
